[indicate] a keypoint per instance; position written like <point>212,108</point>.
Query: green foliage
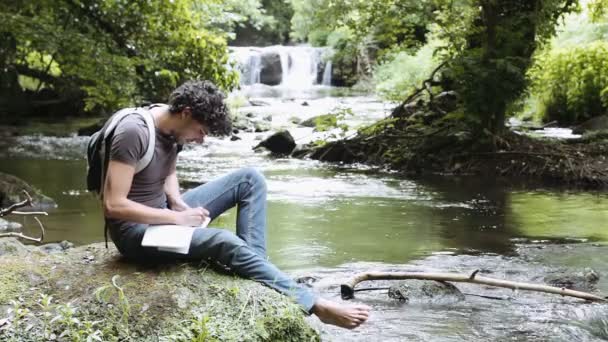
<point>401,72</point>
<point>114,53</point>
<point>329,121</point>
<point>572,83</point>
<point>360,31</point>
<point>598,9</point>
<point>489,70</point>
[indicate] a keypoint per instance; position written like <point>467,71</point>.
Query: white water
<point>327,74</point>
<point>299,65</point>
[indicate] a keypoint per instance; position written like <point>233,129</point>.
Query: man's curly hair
<point>206,102</point>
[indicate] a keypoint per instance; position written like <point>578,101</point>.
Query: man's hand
<point>191,217</point>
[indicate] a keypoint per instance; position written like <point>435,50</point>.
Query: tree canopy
<point>97,55</point>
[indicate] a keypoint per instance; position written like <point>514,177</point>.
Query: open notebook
<point>170,238</point>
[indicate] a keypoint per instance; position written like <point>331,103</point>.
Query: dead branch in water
<point>348,289</point>
<point>25,237</point>
<point>27,202</point>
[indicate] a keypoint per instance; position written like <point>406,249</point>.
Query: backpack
<point>98,153</point>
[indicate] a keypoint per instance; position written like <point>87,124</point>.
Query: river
<point>330,221</point>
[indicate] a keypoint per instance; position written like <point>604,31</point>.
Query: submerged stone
<point>580,281</point>
<point>425,292</point>
<point>11,191</point>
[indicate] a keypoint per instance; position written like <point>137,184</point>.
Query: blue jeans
<point>243,253</point>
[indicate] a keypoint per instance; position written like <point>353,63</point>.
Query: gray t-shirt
<point>129,145</point>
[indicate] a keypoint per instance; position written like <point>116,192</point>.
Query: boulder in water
<point>323,120</point>
<point>258,103</point>
<point>261,126</point>
<point>11,191</point>
<point>271,71</point>
<point>280,143</point>
<point>580,281</point>
<point>425,292</point>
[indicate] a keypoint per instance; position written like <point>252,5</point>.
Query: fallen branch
<point>25,237</point>
<point>348,289</point>
<point>422,88</point>
<point>27,202</point>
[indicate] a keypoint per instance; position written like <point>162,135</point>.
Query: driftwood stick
<point>12,210</point>
<point>348,289</point>
<point>30,213</point>
<point>25,237</point>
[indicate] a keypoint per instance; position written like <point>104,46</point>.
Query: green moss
<point>172,302</point>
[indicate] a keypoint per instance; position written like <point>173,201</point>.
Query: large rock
<point>11,191</point>
<point>271,72</point>
<point>320,121</point>
<point>56,247</point>
<point>93,286</point>
<point>598,123</point>
<point>579,281</point>
<point>11,247</point>
<point>425,292</point>
<point>280,143</point>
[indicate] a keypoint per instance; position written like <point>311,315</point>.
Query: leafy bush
<point>571,84</point>
<point>112,53</point>
<point>403,71</point>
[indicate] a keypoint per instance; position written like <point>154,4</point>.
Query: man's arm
<point>172,190</point>
<point>116,204</point>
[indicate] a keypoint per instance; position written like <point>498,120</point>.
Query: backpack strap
<point>147,158</point>
<point>109,132</point>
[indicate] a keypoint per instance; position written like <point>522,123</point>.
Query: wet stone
<point>579,281</point>
<point>425,292</point>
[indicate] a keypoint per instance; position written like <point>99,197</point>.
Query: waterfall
<point>327,74</point>
<point>254,66</point>
<point>284,64</point>
<point>290,67</point>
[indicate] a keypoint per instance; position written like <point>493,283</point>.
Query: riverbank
<point>90,291</point>
<point>429,143</point>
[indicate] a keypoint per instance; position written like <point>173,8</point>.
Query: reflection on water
<point>326,216</point>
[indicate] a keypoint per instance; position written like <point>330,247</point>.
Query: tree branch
<point>25,237</point>
<point>348,289</point>
<point>12,210</point>
<point>424,87</point>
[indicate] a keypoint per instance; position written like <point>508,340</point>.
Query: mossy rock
<point>322,122</point>
<point>95,292</point>
<point>11,191</point>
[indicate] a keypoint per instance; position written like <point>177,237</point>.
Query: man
<point>134,201</point>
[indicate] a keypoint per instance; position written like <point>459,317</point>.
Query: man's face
<point>190,130</point>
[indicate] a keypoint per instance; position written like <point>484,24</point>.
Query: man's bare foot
<point>347,316</point>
